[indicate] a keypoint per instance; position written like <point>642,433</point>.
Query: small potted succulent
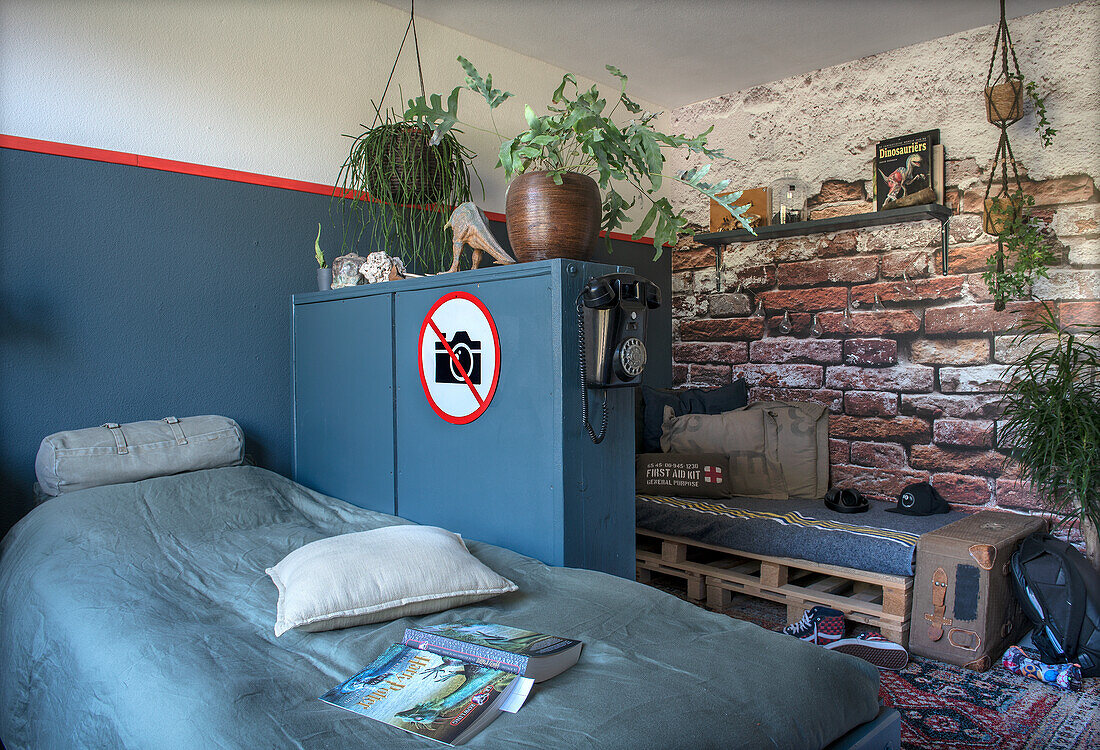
<point>568,166</point>
<point>324,273</point>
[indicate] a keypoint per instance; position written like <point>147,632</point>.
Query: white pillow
<point>378,575</point>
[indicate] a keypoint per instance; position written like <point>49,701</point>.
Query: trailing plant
<point>320,256</point>
<point>402,187</point>
<point>1023,252</point>
<point>1051,419</point>
<point>1042,124</point>
<point>578,135</point>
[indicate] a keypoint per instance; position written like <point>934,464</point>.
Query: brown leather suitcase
<point>964,609</point>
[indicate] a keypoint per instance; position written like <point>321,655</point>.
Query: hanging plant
<point>1023,252</point>
<point>398,187</point>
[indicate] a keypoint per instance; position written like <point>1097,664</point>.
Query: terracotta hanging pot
<point>999,210</point>
<point>546,220</point>
<point>1004,103</point>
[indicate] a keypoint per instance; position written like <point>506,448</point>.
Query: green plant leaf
<point>559,92</point>
<point>493,97</point>
<point>433,114</point>
<point>317,248</point>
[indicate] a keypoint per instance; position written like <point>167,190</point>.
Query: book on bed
<point>448,682</point>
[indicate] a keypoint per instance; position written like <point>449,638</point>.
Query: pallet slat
<point>876,599</point>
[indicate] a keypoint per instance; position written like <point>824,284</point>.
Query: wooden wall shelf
<point>839,224</point>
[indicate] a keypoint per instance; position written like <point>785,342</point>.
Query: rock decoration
<point>345,270</point>
<point>381,267</point>
<point>470,227</point>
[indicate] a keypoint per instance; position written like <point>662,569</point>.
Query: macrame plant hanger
<point>1004,105</point>
<point>419,70</point>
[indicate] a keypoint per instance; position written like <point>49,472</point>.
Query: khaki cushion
<point>748,438</point>
<point>803,430</point>
<point>382,574</point>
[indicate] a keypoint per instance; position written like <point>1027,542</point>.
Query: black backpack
<point>1060,593</point>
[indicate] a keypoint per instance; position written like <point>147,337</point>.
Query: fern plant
<point>579,135</point>
<point>1051,419</point>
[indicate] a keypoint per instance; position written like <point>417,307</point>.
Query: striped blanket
<point>805,529</point>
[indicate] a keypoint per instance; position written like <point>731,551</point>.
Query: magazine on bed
<point>453,690</point>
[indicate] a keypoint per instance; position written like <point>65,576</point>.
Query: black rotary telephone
<point>612,313</point>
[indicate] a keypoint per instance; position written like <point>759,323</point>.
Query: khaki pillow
<point>803,430</point>
<point>748,438</point>
<point>702,475</point>
<point>373,576</point>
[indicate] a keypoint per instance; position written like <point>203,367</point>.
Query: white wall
<point>825,124</point>
<point>266,87</point>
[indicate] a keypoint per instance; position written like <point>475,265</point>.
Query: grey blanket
<point>139,616</point>
<point>874,540</point>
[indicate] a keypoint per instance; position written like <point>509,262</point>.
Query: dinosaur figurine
<point>470,227</point>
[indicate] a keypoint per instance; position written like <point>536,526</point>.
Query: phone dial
<point>612,313</point>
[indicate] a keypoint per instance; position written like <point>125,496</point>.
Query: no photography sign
<point>459,357</point>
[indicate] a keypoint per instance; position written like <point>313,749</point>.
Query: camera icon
<point>467,352</point>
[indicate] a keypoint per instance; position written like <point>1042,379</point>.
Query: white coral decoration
<point>378,265</point>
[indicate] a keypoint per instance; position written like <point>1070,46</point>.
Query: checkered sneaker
<point>872,647</point>
<point>820,625</point>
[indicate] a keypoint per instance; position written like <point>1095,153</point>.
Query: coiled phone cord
<point>597,437</point>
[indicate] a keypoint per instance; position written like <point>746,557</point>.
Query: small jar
<point>789,196</point>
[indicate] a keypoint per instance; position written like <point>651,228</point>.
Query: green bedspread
<point>139,616</point>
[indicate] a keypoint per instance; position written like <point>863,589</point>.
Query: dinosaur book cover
<point>525,652</point>
<point>903,170</point>
<point>435,696</point>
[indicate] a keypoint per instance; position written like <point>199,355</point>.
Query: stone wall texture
<point>912,386</point>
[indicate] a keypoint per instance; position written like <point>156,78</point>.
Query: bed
<point>139,615</point>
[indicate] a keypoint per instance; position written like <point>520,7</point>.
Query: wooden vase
<point>546,220</point>
<point>1004,103</point>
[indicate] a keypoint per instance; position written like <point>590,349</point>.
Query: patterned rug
<point>947,707</point>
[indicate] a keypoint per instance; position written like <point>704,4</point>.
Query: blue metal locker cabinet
<point>523,474</point>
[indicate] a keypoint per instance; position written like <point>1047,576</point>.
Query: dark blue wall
<point>130,293</point>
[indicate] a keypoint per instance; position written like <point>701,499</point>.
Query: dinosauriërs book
<point>449,696</point>
<point>524,652</point>
<point>904,173</point>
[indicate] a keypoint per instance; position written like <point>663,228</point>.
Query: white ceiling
<point>685,51</point>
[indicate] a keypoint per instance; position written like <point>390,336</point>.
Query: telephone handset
<point>612,313</point>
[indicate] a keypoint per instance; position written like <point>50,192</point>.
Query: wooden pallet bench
<point>715,573</point>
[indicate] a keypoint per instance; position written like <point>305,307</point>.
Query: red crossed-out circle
<point>429,325</point>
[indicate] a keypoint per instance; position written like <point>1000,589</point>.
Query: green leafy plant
<point>400,184</point>
<point>579,135</point>
<point>1042,124</point>
<point>1051,419</point>
<point>1023,251</point>
<point>320,256</point>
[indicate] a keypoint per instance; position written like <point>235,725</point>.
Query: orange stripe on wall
<point>54,148</point>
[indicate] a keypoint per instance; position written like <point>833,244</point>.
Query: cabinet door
<point>343,399</point>
<point>498,478</point>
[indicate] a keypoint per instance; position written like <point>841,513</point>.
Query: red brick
<point>977,288</point>
<point>918,290</point>
<point>950,351</point>
<point>838,452</point>
<point>956,460</point>
<point>784,349</point>
<point>750,278</point>
<point>679,374</point>
<point>964,433</point>
<point>984,379</point>
<point>684,260</point>
<point>1079,313</point>
<point>780,376</point>
<point>888,323</point>
<point>806,300</point>
<point>832,400</point>
<point>894,429</point>
<point>729,305</point>
<point>871,404</point>
<point>1075,189</point>
<point>905,378</point>
<point>881,455</point>
<point>726,329</point>
<point>963,489</point>
<point>1014,493</point>
<point>833,191</point>
<point>687,306</point>
<point>964,407</point>
<point>842,243</point>
<point>885,484</point>
<point>977,318</point>
<point>914,263</point>
<point>734,353</point>
<point>709,375</point>
<point>969,258</point>
<point>842,209</point>
<point>800,323</point>
<point>965,229</point>
<point>870,352</point>
<point>835,271</point>
<point>958,170</point>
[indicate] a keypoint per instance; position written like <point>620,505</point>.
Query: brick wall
<point>912,389</point>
